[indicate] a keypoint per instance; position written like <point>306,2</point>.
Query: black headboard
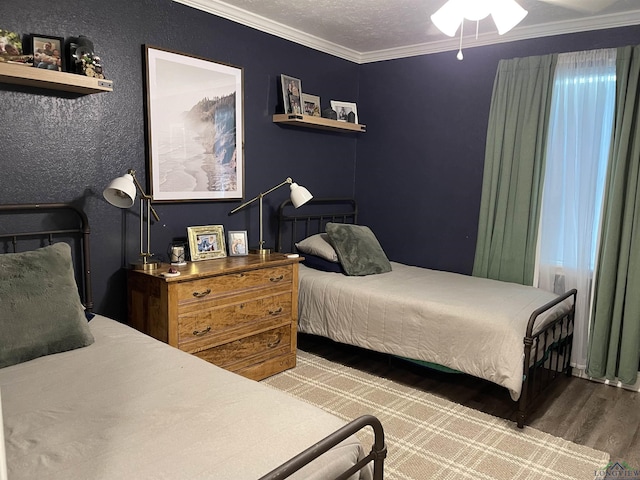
<point>297,224</point>
<point>29,226</point>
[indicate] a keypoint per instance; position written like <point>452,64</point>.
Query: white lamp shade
<point>121,192</point>
<point>449,17</point>
<point>299,195</point>
<point>507,14</point>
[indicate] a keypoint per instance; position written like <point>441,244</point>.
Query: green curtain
<point>614,346</point>
<point>514,169</point>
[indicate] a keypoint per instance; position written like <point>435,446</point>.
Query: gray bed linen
<point>475,325</point>
<point>130,407</point>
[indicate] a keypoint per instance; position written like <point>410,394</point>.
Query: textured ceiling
<point>371,30</point>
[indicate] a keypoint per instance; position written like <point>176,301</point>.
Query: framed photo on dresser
<point>238,243</point>
<point>206,242</point>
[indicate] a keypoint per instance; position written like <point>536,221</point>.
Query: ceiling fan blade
<point>587,6</point>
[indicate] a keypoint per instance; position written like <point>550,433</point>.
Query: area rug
<point>432,438</point>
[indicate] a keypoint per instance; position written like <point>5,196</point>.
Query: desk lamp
<point>121,193</point>
<point>299,196</point>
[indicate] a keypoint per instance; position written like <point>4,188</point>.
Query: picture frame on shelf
<point>48,52</point>
<point>238,244</point>
<point>311,105</point>
<point>346,111</point>
<point>11,49</point>
<point>195,126</point>
<point>206,242</point>
<point>291,94</point>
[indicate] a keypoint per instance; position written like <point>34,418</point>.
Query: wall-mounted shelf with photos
<point>52,80</point>
<point>322,123</point>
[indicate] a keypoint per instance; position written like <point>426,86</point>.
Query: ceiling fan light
<point>476,10</point>
<point>507,14</point>
<point>449,17</point>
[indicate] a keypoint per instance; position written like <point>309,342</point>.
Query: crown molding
<point>263,24</point>
<point>224,10</point>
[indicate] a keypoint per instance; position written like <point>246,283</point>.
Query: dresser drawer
<point>249,350</point>
<point>258,371</point>
<point>232,284</point>
<point>220,323</point>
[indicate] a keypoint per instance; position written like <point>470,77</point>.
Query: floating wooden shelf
<point>41,78</point>
<point>317,122</point>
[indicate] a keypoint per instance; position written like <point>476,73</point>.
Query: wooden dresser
<point>239,313</point>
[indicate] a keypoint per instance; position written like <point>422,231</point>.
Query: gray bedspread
<point>470,324</point>
<point>130,407</point>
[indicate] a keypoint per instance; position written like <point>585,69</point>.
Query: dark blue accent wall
<point>56,147</point>
<point>419,166</point>
<point>417,172</point>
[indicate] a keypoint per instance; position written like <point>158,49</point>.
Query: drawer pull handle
<point>199,333</point>
<point>276,311</point>
<point>276,279</point>
<point>275,342</point>
<point>202,294</point>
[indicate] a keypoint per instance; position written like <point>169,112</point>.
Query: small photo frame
<point>347,112</point>
<point>310,105</point>
<point>48,52</point>
<point>11,49</point>
<point>238,243</point>
<point>291,94</point>
<point>206,242</point>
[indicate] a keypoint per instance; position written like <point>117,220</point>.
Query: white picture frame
<point>311,105</point>
<point>343,109</point>
<point>291,94</point>
<point>187,159</point>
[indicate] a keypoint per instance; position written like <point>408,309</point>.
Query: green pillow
<point>358,249</point>
<point>41,310</point>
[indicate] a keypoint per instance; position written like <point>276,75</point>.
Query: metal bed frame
<point>71,224</point>
<point>547,352</point>
<point>76,226</point>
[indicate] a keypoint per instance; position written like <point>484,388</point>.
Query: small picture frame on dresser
<point>206,242</point>
<point>238,243</point>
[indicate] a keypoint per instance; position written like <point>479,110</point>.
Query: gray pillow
<point>41,310</point>
<point>319,246</point>
<point>358,249</point>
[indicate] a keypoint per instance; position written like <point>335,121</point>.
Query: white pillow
<point>319,246</point>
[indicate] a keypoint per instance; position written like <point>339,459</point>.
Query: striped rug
<point>432,438</point>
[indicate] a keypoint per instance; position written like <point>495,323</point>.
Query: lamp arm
<point>259,197</point>
<point>144,195</point>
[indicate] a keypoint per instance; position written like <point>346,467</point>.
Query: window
<point>578,145</point>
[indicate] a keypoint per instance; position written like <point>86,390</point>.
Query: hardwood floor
<point>588,413</point>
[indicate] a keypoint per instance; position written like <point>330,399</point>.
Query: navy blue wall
<point>417,171</point>
<point>58,148</point>
<point>419,166</point>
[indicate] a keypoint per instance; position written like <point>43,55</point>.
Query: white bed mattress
<point>130,407</point>
<point>470,324</point>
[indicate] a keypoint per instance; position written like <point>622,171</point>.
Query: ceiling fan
<point>506,14</point>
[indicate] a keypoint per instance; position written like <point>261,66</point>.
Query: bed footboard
<point>547,353</point>
<point>376,455</point>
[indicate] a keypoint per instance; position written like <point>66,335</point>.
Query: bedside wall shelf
<point>41,78</point>
<point>309,121</point>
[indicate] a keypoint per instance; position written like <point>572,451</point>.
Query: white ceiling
<point>365,31</point>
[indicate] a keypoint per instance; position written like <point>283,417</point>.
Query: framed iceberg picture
<point>195,127</point>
